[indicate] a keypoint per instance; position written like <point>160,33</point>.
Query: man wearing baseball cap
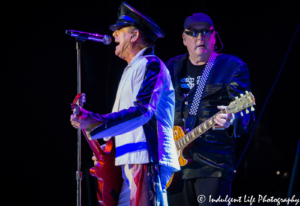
<point>205,82</point>
<point>142,116</point>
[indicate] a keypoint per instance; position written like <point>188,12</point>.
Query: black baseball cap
<point>128,16</point>
<point>197,17</point>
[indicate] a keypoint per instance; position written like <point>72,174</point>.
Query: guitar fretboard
<point>197,131</point>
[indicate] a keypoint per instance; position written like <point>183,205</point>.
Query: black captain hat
<point>128,16</point>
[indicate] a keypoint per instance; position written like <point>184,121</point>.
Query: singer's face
<point>200,45</point>
<point>123,38</point>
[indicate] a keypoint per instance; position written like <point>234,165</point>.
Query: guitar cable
<point>260,115</point>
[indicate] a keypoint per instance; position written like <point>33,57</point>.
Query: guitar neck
<point>197,131</point>
<point>96,148</point>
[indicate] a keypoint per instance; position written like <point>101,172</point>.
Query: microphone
<point>81,35</point>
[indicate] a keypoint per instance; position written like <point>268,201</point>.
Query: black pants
<point>186,192</point>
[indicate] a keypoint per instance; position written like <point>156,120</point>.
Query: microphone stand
<point>80,38</point>
<point>78,172</point>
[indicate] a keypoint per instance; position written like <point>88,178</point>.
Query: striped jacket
<point>143,114</point>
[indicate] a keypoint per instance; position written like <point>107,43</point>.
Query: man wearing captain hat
<point>143,113</point>
<point>203,81</point>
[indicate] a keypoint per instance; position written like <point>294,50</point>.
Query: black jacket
<point>213,152</point>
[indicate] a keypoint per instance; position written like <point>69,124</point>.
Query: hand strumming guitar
<point>94,158</point>
<point>96,163</point>
<point>83,121</point>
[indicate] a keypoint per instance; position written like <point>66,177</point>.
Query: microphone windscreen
<point>106,40</point>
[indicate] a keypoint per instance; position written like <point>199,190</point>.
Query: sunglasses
<point>206,32</point>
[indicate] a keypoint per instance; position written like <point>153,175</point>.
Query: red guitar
<point>109,176</point>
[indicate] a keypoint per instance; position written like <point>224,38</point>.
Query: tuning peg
<point>252,109</point>
<point>236,97</point>
<point>247,111</point>
<point>242,114</point>
<point>242,95</point>
<point>247,92</point>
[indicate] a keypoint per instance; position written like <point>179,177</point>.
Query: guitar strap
<point>191,118</point>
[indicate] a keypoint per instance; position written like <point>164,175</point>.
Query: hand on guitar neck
<point>224,120</point>
<point>83,121</point>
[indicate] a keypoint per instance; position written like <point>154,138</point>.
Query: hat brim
<point>128,16</point>
<point>196,23</point>
<point>118,25</point>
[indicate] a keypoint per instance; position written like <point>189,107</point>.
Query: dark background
<point>38,72</point>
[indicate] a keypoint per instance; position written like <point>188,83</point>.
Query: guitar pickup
<point>216,127</point>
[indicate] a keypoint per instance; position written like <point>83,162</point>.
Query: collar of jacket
<point>179,61</point>
<point>140,54</point>
<point>179,64</point>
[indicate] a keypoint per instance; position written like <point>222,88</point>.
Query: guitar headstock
<point>242,103</point>
<point>78,103</point>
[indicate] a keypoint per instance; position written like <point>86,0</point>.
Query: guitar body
<point>109,177</point>
<point>183,155</point>
<point>184,158</point>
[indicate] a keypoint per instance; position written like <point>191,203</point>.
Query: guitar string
<point>180,144</point>
<point>184,141</point>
